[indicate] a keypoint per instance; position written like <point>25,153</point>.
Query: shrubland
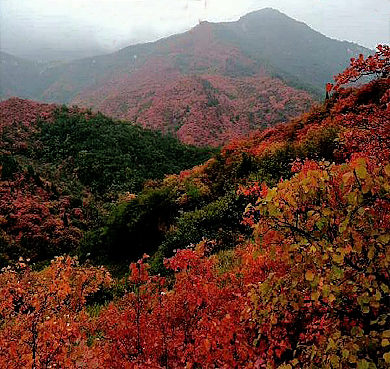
<point>272,254</point>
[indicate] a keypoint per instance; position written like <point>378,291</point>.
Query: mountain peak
<point>214,82</point>
<point>264,12</point>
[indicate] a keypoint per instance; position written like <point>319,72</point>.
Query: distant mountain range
<point>207,85</point>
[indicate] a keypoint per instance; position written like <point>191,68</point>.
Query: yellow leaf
<point>387,169</point>
<point>361,162</point>
<point>384,288</point>
<point>386,356</point>
<point>312,249</point>
<point>339,259</point>
<point>309,276</point>
<point>366,187</point>
<point>361,172</point>
<point>346,177</point>
<point>384,239</point>
<point>363,364</point>
<point>371,253</point>
<point>334,360</point>
<point>352,358</point>
<point>315,296</point>
<point>273,210</point>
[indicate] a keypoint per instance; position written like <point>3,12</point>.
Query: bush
<point>132,229</point>
<point>219,221</point>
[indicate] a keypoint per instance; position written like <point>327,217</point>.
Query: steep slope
<point>213,83</point>
<point>289,49</point>
<point>201,110</point>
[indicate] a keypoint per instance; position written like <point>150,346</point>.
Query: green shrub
<point>132,229</point>
<point>219,220</point>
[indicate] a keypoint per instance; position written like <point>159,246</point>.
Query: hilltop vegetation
<point>274,253</point>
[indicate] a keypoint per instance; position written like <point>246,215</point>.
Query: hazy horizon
<point>57,30</point>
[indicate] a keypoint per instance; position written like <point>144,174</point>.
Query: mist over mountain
<point>232,76</point>
<point>45,30</point>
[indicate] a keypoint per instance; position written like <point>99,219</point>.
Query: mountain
<point>290,49</point>
<point>19,77</point>
<point>274,253</point>
<point>215,82</point>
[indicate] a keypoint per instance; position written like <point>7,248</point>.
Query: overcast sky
<point>71,28</point>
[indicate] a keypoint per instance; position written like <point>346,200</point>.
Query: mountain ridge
<point>204,76</point>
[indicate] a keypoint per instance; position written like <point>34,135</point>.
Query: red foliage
<point>18,118</point>
<point>310,289</point>
<point>378,64</point>
<point>31,218</point>
<point>198,322</point>
<point>43,321</point>
<point>202,110</point>
<point>360,115</point>
<point>34,221</point>
<point>197,98</point>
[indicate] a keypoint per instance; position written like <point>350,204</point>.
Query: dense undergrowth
<point>272,254</point>
<point>62,169</point>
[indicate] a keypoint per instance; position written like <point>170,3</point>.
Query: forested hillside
<point>274,253</point>
<point>216,82</point>
<point>61,167</point>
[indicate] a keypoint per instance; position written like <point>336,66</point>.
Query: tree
<point>377,64</point>
<point>43,321</point>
